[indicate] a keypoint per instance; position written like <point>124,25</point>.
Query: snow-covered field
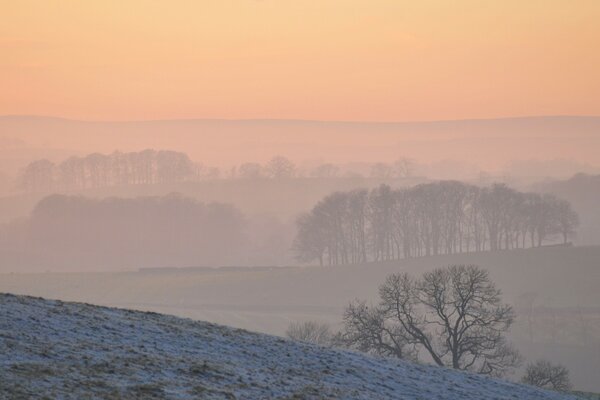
<point>57,350</point>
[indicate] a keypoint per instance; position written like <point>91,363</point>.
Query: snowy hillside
<point>51,349</point>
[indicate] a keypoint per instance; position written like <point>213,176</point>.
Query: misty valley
<point>148,231</point>
<point>300,200</point>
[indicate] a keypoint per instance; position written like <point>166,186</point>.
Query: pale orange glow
<point>329,60</point>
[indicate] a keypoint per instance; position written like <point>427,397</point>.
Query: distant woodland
<point>270,214</point>
<point>155,167</point>
<point>429,219</point>
<point>68,231</point>
<point>72,232</point>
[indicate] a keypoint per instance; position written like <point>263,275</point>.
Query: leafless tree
<point>325,171</point>
<point>310,332</point>
<point>546,375</point>
<point>380,207</point>
<point>367,329</point>
<point>250,171</point>
<point>38,176</point>
<point>280,168</point>
<point>381,171</point>
<point>173,166</point>
<point>311,240</point>
<point>455,315</point>
<point>403,167</point>
<point>567,220</point>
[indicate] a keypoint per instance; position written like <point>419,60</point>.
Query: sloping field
<point>554,289</point>
<point>51,349</point>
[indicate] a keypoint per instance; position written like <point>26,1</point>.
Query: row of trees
<point>137,168</point>
<point>100,170</point>
<point>152,167</point>
<point>70,232</point>
<point>281,167</point>
<point>428,219</point>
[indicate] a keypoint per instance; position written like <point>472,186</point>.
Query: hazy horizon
<point>487,144</point>
<point>498,117</point>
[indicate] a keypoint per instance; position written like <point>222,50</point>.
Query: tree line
<point>154,167</point>
<point>428,219</point>
<point>101,170</point>
<point>74,232</point>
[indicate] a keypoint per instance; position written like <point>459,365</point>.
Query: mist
<point>287,199</point>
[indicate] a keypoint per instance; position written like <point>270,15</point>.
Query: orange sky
<point>305,59</point>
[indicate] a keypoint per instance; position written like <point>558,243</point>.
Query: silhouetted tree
<point>367,329</point>
<point>567,220</point>
<point>173,166</point>
<point>280,167</point>
<point>380,210</point>
<point>250,171</point>
<point>546,375</point>
<point>455,315</point>
<point>403,168</point>
<point>38,176</point>
<point>381,171</point>
<point>325,171</point>
<point>311,240</point>
<point>310,332</point>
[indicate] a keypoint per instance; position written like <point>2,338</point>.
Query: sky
<point>370,60</point>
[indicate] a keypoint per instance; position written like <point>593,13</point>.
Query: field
<point>554,290</point>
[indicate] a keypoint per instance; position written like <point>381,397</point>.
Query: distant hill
<point>487,142</point>
<point>51,349</point>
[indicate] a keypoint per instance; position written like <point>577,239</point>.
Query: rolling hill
<point>51,349</point>
<point>554,290</point>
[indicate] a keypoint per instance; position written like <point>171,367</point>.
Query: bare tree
<point>310,332</point>
<point>311,240</point>
<point>173,166</point>
<point>280,168</point>
<point>367,329</point>
<point>326,171</point>
<point>404,167</point>
<point>546,375</point>
<point>381,205</point>
<point>38,176</point>
<point>250,171</point>
<point>454,315</point>
<point>381,171</point>
<point>567,220</point>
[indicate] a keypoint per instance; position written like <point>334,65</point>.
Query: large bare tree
<point>454,316</point>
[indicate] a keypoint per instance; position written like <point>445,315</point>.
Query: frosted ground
<point>52,349</point>
<point>560,283</point>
